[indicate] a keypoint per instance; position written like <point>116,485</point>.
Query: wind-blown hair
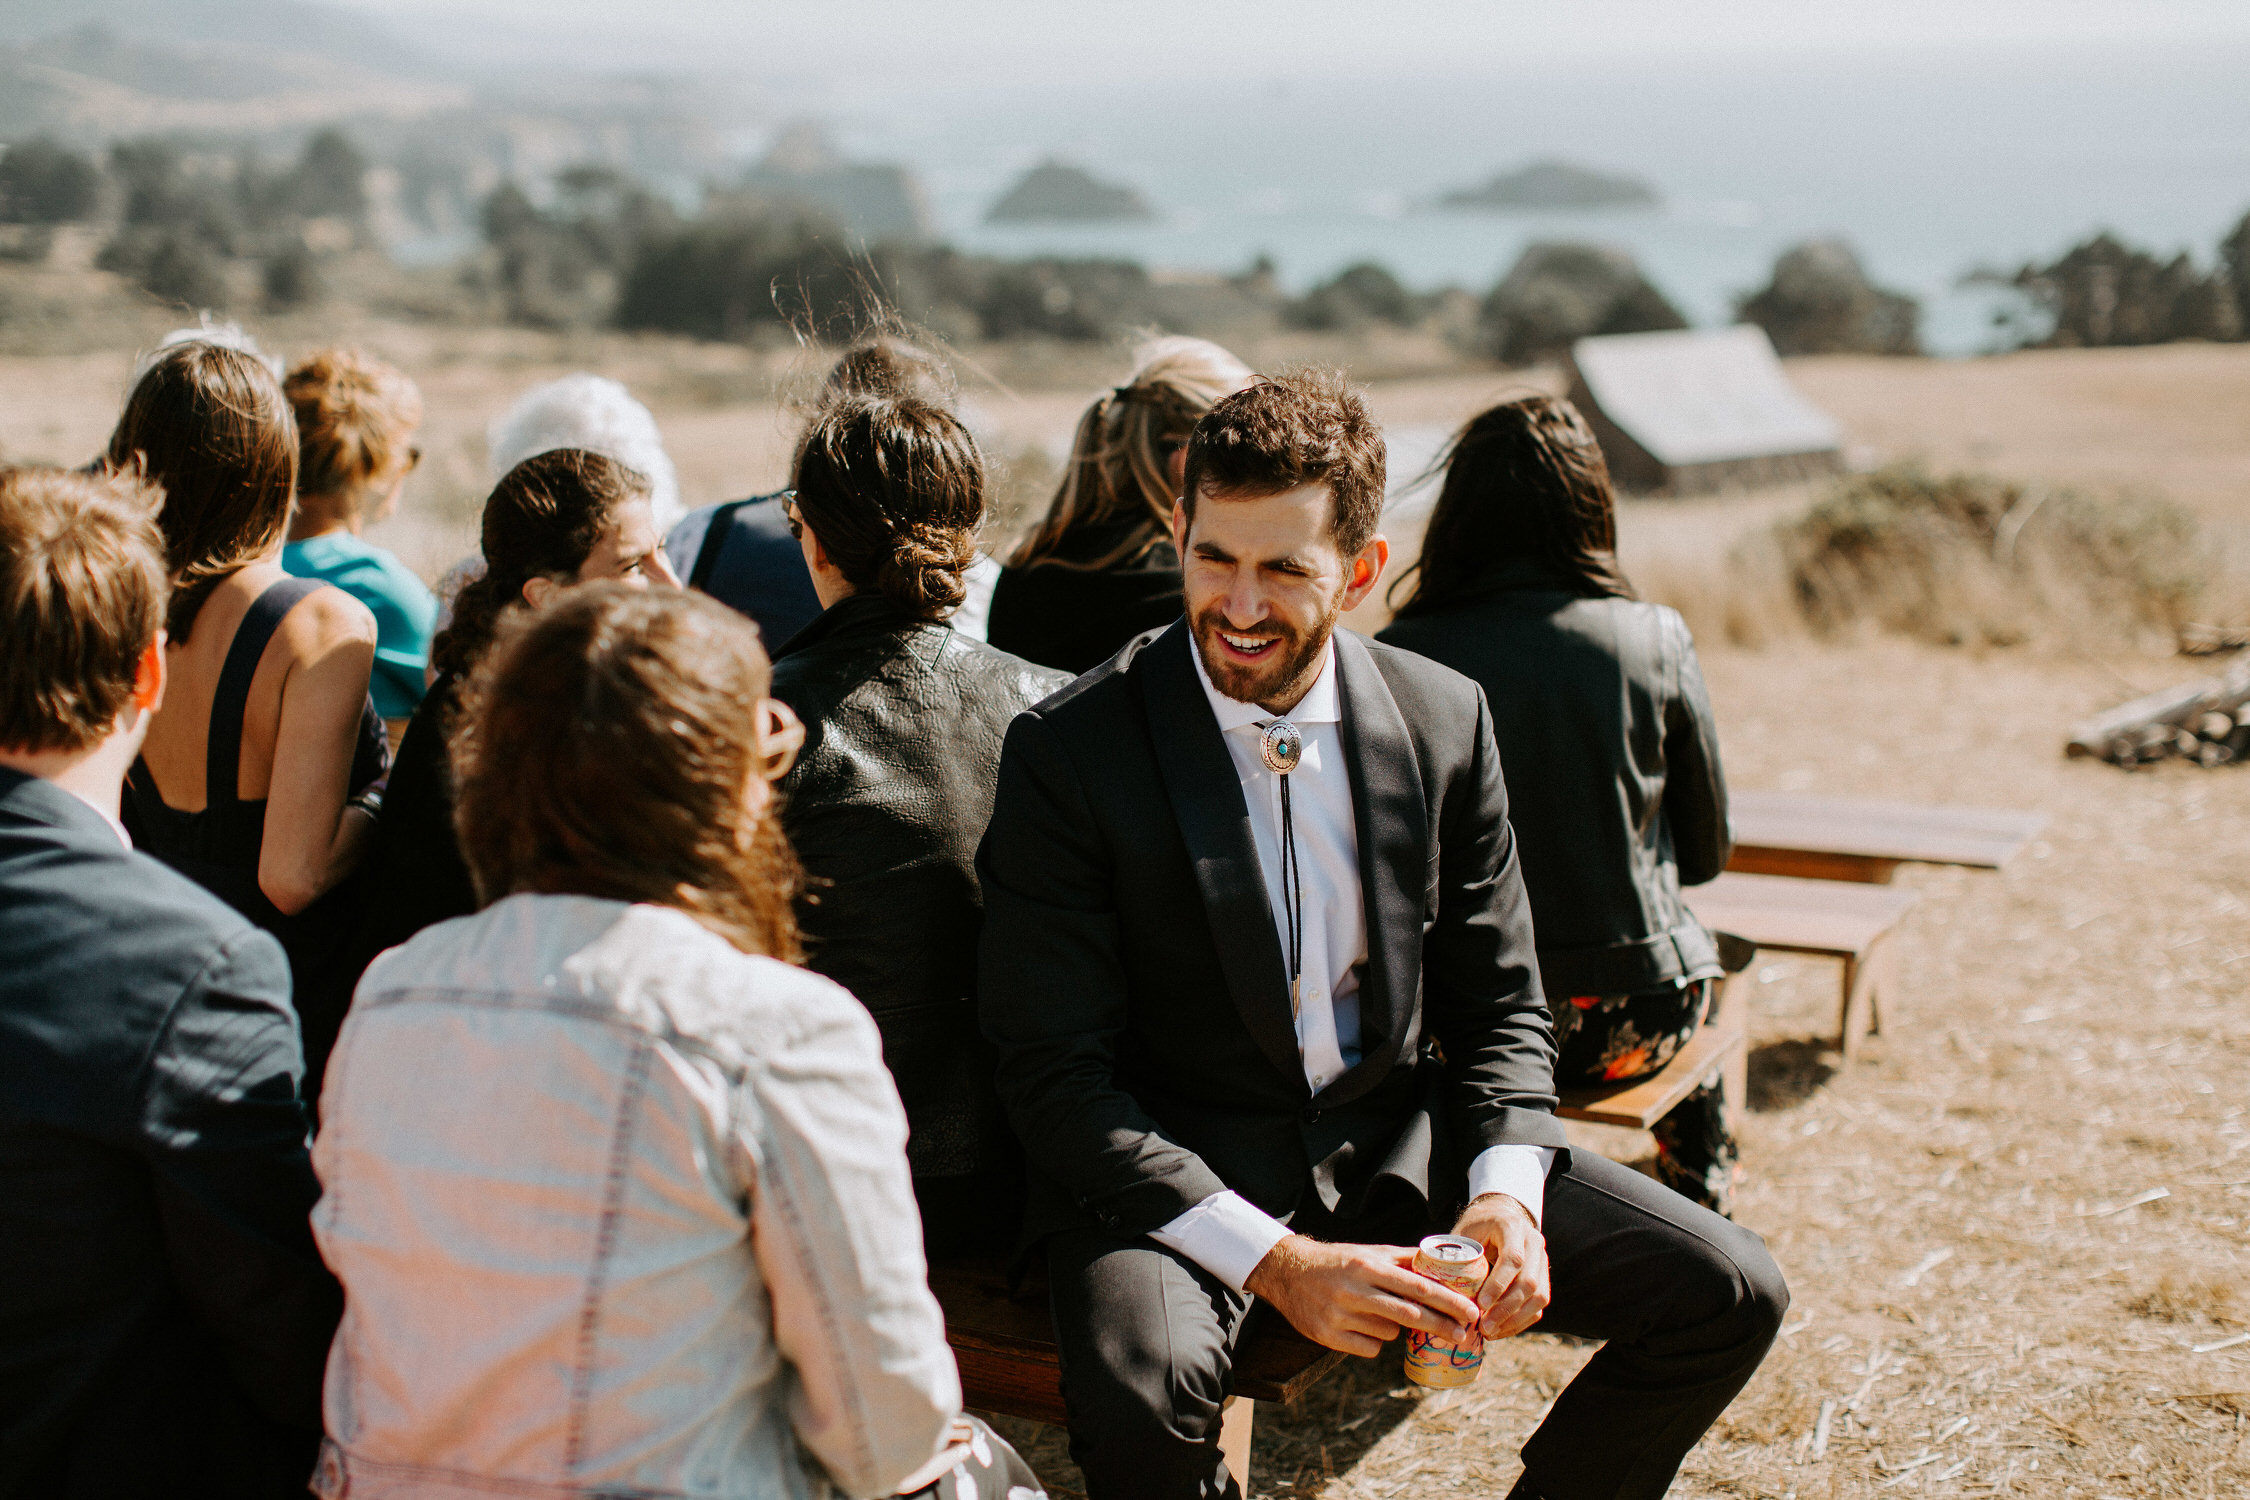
<point>598,415</point>
<point>542,520</point>
<point>208,425</point>
<point>1116,476</point>
<point>884,364</point>
<point>604,748</point>
<point>1524,481</point>
<point>894,489</point>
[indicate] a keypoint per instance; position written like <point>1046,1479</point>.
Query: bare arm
<point>312,840</point>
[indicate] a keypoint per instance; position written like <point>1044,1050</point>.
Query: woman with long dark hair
<point>1100,568</point>
<point>904,717</point>
<point>615,1191</point>
<point>563,517</point>
<point>1608,746</point>
<point>256,778</point>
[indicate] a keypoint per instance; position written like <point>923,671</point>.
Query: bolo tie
<point>1281,745</point>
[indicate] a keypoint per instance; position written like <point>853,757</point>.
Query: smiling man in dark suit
<point>1259,966</point>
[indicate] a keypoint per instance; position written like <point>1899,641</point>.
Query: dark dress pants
<point>1686,1302</point>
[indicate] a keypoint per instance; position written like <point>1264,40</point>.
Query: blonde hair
<point>354,416</point>
<point>1116,472</point>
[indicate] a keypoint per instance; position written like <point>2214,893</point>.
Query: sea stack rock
<point>1056,193</point>
<point>1553,185</point>
<point>1556,294</point>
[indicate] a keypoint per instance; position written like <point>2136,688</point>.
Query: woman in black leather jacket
<point>890,796</point>
<point>1608,747</point>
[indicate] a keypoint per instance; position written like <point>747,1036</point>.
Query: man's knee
<point>1147,1380</point>
<point>1755,1294</point>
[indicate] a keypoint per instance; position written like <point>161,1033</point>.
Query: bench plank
<point>1827,918</point>
<point>1006,1347</point>
<point>1639,1105</point>
<point>1863,839</point>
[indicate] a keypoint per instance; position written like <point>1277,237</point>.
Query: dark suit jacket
<point>1132,982</point>
<point>164,1317</point>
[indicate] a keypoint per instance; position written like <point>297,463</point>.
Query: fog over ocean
<point>1930,163</point>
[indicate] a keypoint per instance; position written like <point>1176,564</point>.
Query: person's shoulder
<point>1026,681</point>
<point>328,617</point>
<point>1093,698</point>
<point>1407,669</point>
<point>136,922</point>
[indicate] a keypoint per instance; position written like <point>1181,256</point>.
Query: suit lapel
<point>1206,796</point>
<point>1394,851</point>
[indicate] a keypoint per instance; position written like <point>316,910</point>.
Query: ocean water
<point>1931,164</point>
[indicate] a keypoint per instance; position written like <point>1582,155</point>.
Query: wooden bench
<point>1721,1046</point>
<point>1827,918</point>
<point>1005,1346</point>
<point>1848,838</point>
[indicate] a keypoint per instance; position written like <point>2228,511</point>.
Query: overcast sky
<point>936,43</point>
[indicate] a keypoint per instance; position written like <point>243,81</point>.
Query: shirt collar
<point>1320,705</point>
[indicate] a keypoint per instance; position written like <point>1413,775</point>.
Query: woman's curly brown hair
<point>542,520</point>
<point>605,745</point>
<point>894,488</point>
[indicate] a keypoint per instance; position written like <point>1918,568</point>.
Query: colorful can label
<point>1440,1363</point>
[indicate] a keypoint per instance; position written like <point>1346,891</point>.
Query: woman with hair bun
<point>904,717</point>
<point>1100,568</point>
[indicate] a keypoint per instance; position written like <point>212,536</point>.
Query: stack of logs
<point>2207,722</point>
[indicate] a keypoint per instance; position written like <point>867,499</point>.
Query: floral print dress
<point>1618,1038</point>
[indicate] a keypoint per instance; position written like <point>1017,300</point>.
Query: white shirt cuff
<point>1226,1235</point>
<point>1518,1171</point>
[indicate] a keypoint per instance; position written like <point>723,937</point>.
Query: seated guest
<point>1612,759</point>
<point>587,412</point>
<point>257,777</point>
<point>615,1192</point>
<point>904,718</point>
<point>742,552</point>
<point>564,517</point>
<point>356,419</point>
<point>1258,962</point>
<point>1101,568</point>
<point>163,1314</point>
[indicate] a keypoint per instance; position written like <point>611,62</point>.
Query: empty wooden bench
<point>1005,1347</point>
<point>1828,918</point>
<point>1850,838</point>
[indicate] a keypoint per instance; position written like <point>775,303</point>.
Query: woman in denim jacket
<point>619,1196</point>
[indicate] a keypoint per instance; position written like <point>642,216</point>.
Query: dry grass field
<point>2018,1229</point>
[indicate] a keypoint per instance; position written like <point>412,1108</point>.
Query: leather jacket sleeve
<point>222,1132</point>
<point>1695,788</point>
<point>1052,998</point>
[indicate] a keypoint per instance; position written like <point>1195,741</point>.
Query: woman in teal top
<point>356,420</point>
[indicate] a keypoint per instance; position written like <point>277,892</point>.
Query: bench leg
<point>1234,1438</point>
<point>1865,977</point>
<point>1734,1082</point>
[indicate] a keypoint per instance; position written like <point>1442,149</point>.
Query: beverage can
<point>1439,1363</point>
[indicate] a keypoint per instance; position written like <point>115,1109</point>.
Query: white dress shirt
<point>1226,1234</point>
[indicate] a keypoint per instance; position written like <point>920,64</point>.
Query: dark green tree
<point>330,179</point>
<point>45,182</point>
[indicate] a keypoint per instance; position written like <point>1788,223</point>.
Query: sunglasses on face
<point>794,516</point>
<point>781,734</point>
